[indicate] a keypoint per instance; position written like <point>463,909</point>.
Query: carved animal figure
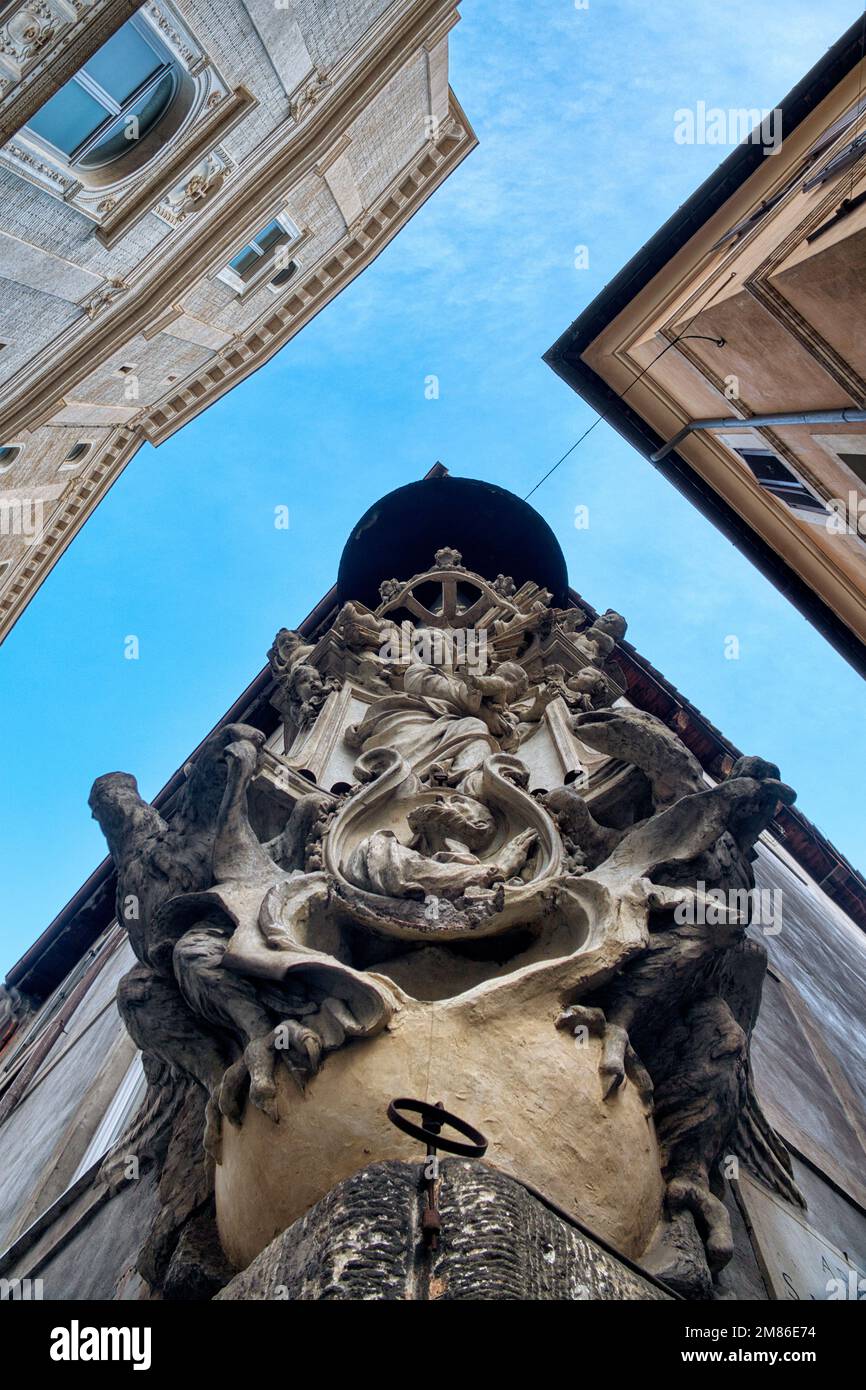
<point>440,861</point>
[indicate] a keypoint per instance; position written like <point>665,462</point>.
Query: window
<point>283,277</point>
<point>842,160</point>
<point>847,156</point>
<point>776,477</point>
<point>78,451</point>
<point>116,98</point>
<point>832,133</point>
<point>746,223</point>
<point>249,256</point>
<point>8,455</point>
<point>264,257</point>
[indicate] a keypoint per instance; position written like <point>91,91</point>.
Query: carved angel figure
<point>442,718</point>
<point>301,690</point>
<point>599,640</point>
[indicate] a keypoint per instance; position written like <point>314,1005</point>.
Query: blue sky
<point>574,110</point>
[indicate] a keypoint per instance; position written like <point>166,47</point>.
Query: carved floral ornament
<point>29,31</point>
<point>496,878</point>
<point>308,95</point>
<point>101,298</point>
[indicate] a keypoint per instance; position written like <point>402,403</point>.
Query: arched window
<point>8,455</point>
<point>111,103</point>
<point>283,277</point>
<point>78,451</point>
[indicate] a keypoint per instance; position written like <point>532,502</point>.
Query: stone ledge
<point>363,1242</point>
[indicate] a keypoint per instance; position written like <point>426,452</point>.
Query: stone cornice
<point>72,512</point>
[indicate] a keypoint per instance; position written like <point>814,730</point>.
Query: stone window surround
<point>117,196</point>
<point>261,274</point>
<point>69,165</point>
<point>76,456</point>
<point>10,463</point>
<point>47,52</point>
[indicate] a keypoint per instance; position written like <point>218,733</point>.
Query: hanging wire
<point>719,342</point>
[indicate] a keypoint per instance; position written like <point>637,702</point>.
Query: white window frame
<point>68,163</point>
<point>245,284</point>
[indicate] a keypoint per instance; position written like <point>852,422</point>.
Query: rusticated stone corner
<point>363,1242</point>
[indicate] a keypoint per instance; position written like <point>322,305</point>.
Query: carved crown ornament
<point>197,189</point>
<point>492,874</point>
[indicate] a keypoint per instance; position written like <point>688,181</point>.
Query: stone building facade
<point>730,351</point>
<point>459,841</point>
<point>185,185</point>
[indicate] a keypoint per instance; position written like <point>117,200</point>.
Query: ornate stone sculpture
<point>15,1008</point>
<point>301,691</point>
<point>498,888</point>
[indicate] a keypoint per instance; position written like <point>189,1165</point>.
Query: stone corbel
<point>312,750</point>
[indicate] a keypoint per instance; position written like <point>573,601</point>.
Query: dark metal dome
<point>495,532</point>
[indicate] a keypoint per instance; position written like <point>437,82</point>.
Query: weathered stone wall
<point>48,1131</point>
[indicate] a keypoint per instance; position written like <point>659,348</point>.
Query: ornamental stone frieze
<point>488,885</point>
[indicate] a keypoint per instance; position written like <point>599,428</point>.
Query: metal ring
<point>435,1118</point>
